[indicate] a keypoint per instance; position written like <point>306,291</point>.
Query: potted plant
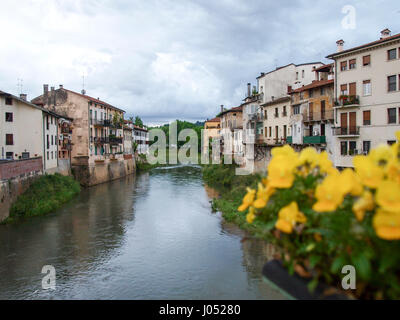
<point>323,220</point>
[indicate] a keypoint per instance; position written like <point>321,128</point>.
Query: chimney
<point>45,89</point>
<point>52,97</point>
<point>262,74</point>
<point>83,91</point>
<point>222,108</point>
<point>340,45</point>
<point>61,86</point>
<point>248,89</point>
<point>23,96</point>
<point>386,33</point>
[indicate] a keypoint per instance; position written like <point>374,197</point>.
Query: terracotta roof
<point>93,99</point>
<point>324,67</point>
<point>272,102</point>
<point>290,64</point>
<point>139,128</point>
<point>214,120</point>
<point>314,84</point>
<point>396,36</point>
<point>235,109</point>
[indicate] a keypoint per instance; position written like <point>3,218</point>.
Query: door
<point>311,110</point>
<point>343,123</point>
<point>352,89</point>
<point>322,109</point>
<point>353,122</point>
<point>322,129</point>
<point>284,132</point>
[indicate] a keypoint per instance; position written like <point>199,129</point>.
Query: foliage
<point>323,219</point>
<point>45,195</point>
<point>138,122</point>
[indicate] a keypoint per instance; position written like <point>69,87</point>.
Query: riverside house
<point>367,107</point>
<point>311,118</point>
<point>97,138</point>
<point>231,134</point>
<point>141,137</point>
<point>211,132</point>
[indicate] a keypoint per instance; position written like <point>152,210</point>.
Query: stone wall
<point>16,177</point>
<point>100,172</point>
<point>63,168</point>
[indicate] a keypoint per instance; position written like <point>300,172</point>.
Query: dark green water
<point>147,237</point>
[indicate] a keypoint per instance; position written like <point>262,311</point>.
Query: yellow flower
<point>263,194</point>
<point>363,204</point>
<point>351,182</point>
<point>280,172</point>
<point>288,216</point>
<point>286,151</point>
<point>324,163</point>
<point>329,194</point>
<point>309,157</point>
<point>387,225</point>
<point>388,196</point>
<point>250,216</point>
<point>393,170</point>
<point>370,174</point>
<point>381,155</point>
<point>247,200</point>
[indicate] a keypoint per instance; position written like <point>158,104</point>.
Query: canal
<point>150,236</point>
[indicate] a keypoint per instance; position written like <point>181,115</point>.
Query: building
<point>21,128</point>
<point>128,137</point>
<point>311,114</point>
<point>141,138</point>
<point>231,134</point>
<point>367,96</point>
<point>211,132</point>
<point>97,137</point>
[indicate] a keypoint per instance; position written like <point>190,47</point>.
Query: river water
<point>150,236</point>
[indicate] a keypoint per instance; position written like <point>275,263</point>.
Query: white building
<point>367,92</point>
<point>141,137</point>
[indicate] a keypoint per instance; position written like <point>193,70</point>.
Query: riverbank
<point>232,188</point>
<point>45,194</point>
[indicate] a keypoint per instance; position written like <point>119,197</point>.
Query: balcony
<point>99,140</point>
<point>289,140</point>
<point>346,131</point>
<point>100,123</point>
<point>314,140</point>
<point>318,116</point>
<point>115,140</point>
<point>348,101</point>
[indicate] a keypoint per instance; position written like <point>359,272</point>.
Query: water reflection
<point>147,237</point>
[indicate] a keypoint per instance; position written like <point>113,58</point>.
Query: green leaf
<point>338,264</point>
<point>362,265</point>
<point>312,284</point>
<point>314,259</point>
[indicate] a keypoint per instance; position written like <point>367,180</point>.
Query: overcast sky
<point>172,59</point>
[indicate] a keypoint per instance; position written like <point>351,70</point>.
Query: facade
<point>97,137</point>
<point>141,137</point>
<point>211,132</point>
<point>21,128</point>
<point>231,134</point>
<point>367,94</point>
<point>128,137</point>
<point>311,119</point>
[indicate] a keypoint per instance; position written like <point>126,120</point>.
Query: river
<point>150,236</point>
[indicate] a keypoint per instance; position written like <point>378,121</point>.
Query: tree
<point>138,122</point>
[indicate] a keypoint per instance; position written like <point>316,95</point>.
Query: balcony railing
<point>102,123</point>
<point>318,116</point>
<point>314,139</point>
<point>348,100</point>
<point>346,131</point>
<point>115,140</point>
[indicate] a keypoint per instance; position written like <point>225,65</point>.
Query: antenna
<point>20,85</point>
<point>276,63</point>
<point>83,83</point>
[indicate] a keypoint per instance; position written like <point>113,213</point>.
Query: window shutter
<point>366,60</point>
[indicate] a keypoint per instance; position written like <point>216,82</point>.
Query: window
<point>9,155</point>
<point>9,117</point>
<point>48,155</point>
<point>367,87</point>
<point>367,118</point>
<point>392,54</point>
<point>322,91</point>
<point>366,146</point>
<point>392,115</point>
<point>270,131</point>
<point>52,141</point>
<point>352,147</point>
<point>296,109</point>
<point>297,76</point>
<point>366,61</point>
<point>276,113</point>
<point>302,73</point>
<point>352,64</point>
<point>310,93</point>
<point>392,83</point>
<point>284,113</point>
<point>48,142</point>
<point>25,155</point>
<point>343,66</point>
<point>9,139</point>
<point>343,89</point>
<point>343,148</point>
<point>9,101</point>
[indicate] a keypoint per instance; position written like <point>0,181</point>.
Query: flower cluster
<point>350,215</point>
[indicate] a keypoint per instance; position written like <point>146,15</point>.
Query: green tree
<point>138,122</point>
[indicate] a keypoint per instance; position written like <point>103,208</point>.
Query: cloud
<point>170,59</point>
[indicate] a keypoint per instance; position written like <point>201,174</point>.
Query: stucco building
<point>97,138</point>
<point>367,94</point>
<point>231,134</point>
<point>211,132</point>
